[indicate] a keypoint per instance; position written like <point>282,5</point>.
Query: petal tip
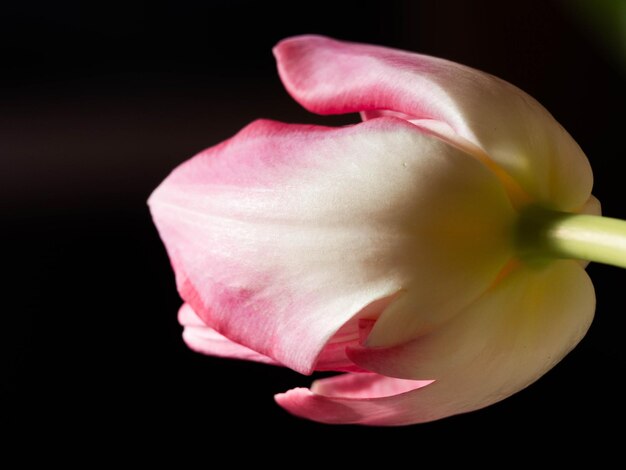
<point>292,400</point>
<point>305,404</point>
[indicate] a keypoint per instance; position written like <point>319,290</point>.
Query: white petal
<point>506,340</point>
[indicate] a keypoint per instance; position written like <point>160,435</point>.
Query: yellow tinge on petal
<point>461,241</point>
<point>501,343</point>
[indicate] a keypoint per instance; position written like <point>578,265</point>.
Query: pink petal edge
<point>365,398</point>
<point>205,340</point>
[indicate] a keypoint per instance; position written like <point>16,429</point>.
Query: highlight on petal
<point>284,233</point>
<point>500,344</point>
<point>501,121</point>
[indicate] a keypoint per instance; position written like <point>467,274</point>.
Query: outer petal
<point>502,343</point>
<point>281,235</point>
<point>503,122</point>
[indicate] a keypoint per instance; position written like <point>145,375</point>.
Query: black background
<point>98,102</point>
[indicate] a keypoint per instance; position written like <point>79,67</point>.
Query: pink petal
<point>364,398</point>
<point>284,233</point>
<point>206,340</point>
<point>500,121</point>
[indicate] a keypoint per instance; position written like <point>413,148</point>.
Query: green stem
<point>544,234</point>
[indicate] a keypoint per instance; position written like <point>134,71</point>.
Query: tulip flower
<point>433,253</point>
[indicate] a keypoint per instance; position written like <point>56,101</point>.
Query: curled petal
<point>283,234</point>
<point>499,345</point>
<point>497,119</point>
